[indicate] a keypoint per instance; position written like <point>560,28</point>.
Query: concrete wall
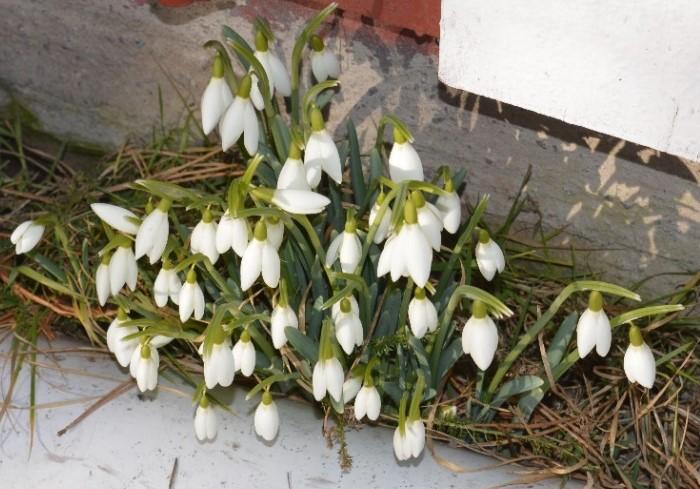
<point>90,69</point>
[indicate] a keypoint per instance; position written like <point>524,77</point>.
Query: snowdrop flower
<point>144,367</point>
<point>216,97</point>
<point>450,207</point>
<point>348,327</point>
<point>232,233</point>
<point>384,224</point>
<point>409,436</point>
<point>260,257</point>
<point>167,285</point>
<point>191,298</point>
<point>219,365</point>
<point>122,268</point>
<point>240,119</point>
<point>404,162</point>
<point>299,201</point>
<point>26,236</point>
<point>489,256</point>
<point>205,422</point>
<point>203,238</point>
<point>244,354</point>
<point>152,236</point>
<point>117,217</point>
<point>328,377</point>
<point>276,73</point>
<point>593,328</point>
<point>122,348</point>
<point>255,94</point>
<point>351,387</point>
<point>275,231</point>
<point>429,219</point>
<point>480,336</point>
<point>267,418</point>
<point>159,341</point>
<point>368,401</point>
<point>640,366</point>
<point>321,153</point>
<point>282,317</point>
<point>293,173</point>
<point>347,247</point>
<point>324,63</point>
<point>409,253</point>
<point>422,315</point>
<point>102,285</point>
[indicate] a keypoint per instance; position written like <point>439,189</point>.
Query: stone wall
<point>90,70</point>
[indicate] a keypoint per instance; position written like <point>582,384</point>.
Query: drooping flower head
<point>422,315</point>
<point>232,233</point>
<point>267,418</point>
<point>385,223</point>
<point>450,206</point>
<point>152,236</point>
<point>489,256</point>
<point>203,238</point>
<point>593,328</point>
<point>324,63</point>
<point>293,173</point>
<point>167,285</point>
<point>240,119</point>
<point>346,246</point>
<point>277,74</point>
<point>348,327</point>
<point>321,155</point>
<point>205,422</point>
<point>144,367</point>
<point>368,401</point>
<point>26,236</point>
<point>409,436</point>
<point>244,354</point>
<point>480,336</point>
<point>122,267</point>
<point>117,343</point>
<point>260,257</point>
<point>282,317</point>
<point>216,97</point>
<point>328,373</point>
<point>219,365</point>
<point>429,219</point>
<point>102,286</point>
<point>639,363</point>
<point>191,298</point>
<point>404,162</point>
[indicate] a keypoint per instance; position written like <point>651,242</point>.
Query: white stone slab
<point>133,443</point>
<point>626,68</point>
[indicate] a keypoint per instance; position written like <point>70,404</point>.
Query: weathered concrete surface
<point>147,442</point>
<point>91,70</point>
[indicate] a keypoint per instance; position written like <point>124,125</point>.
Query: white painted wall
<point>628,68</point>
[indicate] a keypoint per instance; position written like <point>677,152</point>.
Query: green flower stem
<point>414,410</point>
<point>531,335</point>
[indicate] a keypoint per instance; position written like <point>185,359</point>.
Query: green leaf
<point>167,190</point>
<point>642,312</point>
<point>304,345</point>
<point>448,358</point>
<point>562,338</point>
<point>50,266</point>
<point>269,381</point>
<point>518,385</point>
<point>357,177</point>
<point>46,281</point>
<point>233,36</point>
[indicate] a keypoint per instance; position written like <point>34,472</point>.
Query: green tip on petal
<point>267,398</point>
<point>345,305</point>
<point>418,198</point>
<point>260,232</point>
<point>484,236</point>
<point>419,293</point>
<point>294,152</point>
<point>121,315</point>
<point>204,402</point>
<point>145,352</point>
<point>317,122</point>
<point>636,338</point>
<point>191,276</point>
<point>595,301</point>
<point>207,216</point>
<point>399,137</point>
<point>316,43</point>
<point>409,212</point>
<point>217,70</point>
<point>260,42</point>
<point>479,309</point>
<point>164,205</point>
<point>245,86</point>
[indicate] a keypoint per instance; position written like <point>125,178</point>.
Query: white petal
<point>118,269</point>
<point>281,318</point>
<point>586,332</point>
<point>132,269</point>
<point>332,253</point>
<point>270,265</point>
<point>174,287</point>
<point>319,380</point>
<point>250,129</point>
<point>318,66</point>
<point>374,403</point>
<point>313,159</point>
<point>200,423</point>
<point>330,162</point>
<point>640,366</point>
<point>146,235</point>
<point>398,445</point>
<point>279,75</point>
<point>293,175</point>
<point>275,233</point>
<point>344,333</point>
<point>361,404</point>
<point>232,123</point>
<point>102,283</point>
<point>483,338</point>
<point>404,163</point>
<point>383,227</point>
<point>490,259</point>
<point>186,300</point>
<point>117,217</point>
<point>351,387</point>
<point>603,335</point>
<point>19,231</point>
<point>247,365</point>
<point>211,424</point>
<point>241,236</point>
<point>215,101</point>
<point>417,317</point>
<point>255,94</point>
<point>399,255</point>
<point>451,209</point>
<point>251,264</point>
<point>207,244</point>
<point>266,421</point>
<point>161,288</point>
<point>419,255</point>
<point>334,379</point>
<point>350,252</point>
<point>331,64</point>
<point>29,239</point>
<point>386,257</point>
<point>198,302</point>
<point>431,226</point>
<point>224,234</point>
<point>417,429</point>
<point>300,201</point>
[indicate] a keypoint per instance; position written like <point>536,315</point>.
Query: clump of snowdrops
<point>346,278</point>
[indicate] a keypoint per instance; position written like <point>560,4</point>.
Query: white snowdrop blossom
<point>102,285</point>
<point>122,268</point>
<point>411,442</point>
<point>26,236</point>
<point>293,173</point>
<point>328,378</point>
<point>299,201</point>
<point>219,365</point>
<point>203,238</point>
<point>277,74</point>
<point>232,233</point>
<point>404,162</point>
<point>152,236</point>
<point>422,315</point>
<point>351,387</point>
<point>429,219</point>
<point>117,217</point>
<point>244,355</point>
<point>122,348</point>
<point>324,63</point>
<point>593,328</point>
<point>267,418</point>
<point>167,285</point>
<point>348,327</point>
<point>639,363</point>
<point>275,231</point>
<point>480,336</point>
<point>346,247</point>
<point>489,256</point>
<point>205,422</point>
<point>144,367</point>
<point>385,224</point>
<point>191,298</point>
<point>260,257</point>
<point>240,119</point>
<point>216,97</point>
<point>321,153</point>
<point>282,317</point>
<point>407,254</point>
<point>450,207</point>
<point>368,402</point>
